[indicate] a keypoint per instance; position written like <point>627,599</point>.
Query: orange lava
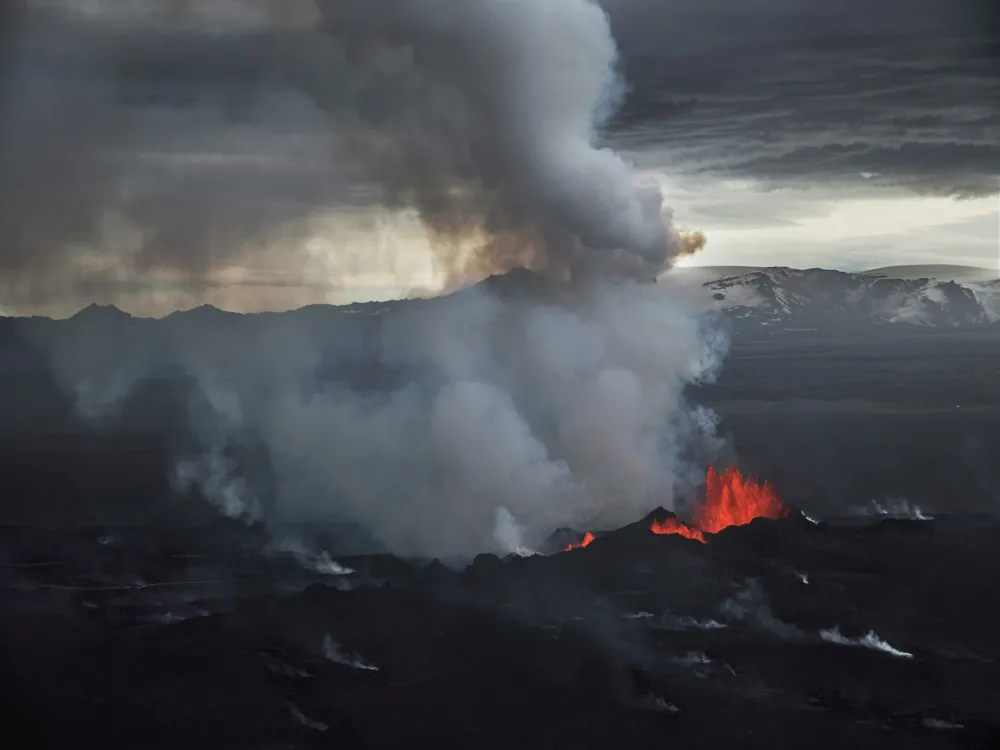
<point>675,526</point>
<point>587,539</point>
<point>734,500</point>
<point>730,500</point>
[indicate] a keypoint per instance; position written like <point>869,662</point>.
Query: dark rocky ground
<point>151,625</point>
<point>838,419</point>
<point>138,639</point>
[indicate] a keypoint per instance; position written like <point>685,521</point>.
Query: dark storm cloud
<point>794,91</point>
<point>196,144</point>
<point>956,169</point>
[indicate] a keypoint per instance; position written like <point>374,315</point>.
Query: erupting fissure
<point>734,500</point>
<point>731,499</point>
<point>587,539</point>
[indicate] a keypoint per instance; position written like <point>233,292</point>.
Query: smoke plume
<point>477,421</point>
<point>480,421</point>
<point>155,145</point>
<point>501,103</point>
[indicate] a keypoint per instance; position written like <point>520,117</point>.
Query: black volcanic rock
<point>436,572</point>
<point>762,537</point>
<point>560,539</point>
<point>521,283</point>
<point>524,285</point>
<point>657,515</point>
<point>637,639</point>
<point>379,567</point>
<point>484,567</point>
<point>204,314</point>
<point>95,314</point>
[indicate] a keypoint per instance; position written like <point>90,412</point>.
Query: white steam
<point>476,422</point>
<point>868,640</point>
<point>509,534</point>
<point>898,508</point>
<point>479,421</point>
<point>557,416</point>
<point>307,558</point>
<point>333,652</point>
<point>750,606</point>
<point>305,721</point>
<point>213,476</point>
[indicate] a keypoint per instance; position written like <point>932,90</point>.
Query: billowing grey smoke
<point>149,146</point>
<point>479,421</point>
<point>501,103</point>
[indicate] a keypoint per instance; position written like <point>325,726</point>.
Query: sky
<point>869,137</point>
<point>161,154</point>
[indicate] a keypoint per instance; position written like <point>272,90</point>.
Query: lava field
<point>779,633</point>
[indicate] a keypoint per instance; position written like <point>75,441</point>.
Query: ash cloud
<point>505,99</point>
<point>180,140</point>
<point>792,93</point>
<point>481,421</point>
<point>478,421</point>
<point>542,414</point>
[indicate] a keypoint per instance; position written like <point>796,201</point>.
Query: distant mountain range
<point>821,298</point>
<point>765,298</point>
<point>940,272</point>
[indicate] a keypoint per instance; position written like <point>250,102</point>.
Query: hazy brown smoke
<point>139,142</point>
<point>182,147</point>
<point>490,111</point>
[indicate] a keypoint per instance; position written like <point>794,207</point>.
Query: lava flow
<point>587,539</point>
<point>676,526</point>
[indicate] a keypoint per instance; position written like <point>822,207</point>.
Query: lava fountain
<point>730,500</point>
<point>734,500</point>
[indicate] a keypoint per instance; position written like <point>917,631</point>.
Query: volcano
<point>730,499</point>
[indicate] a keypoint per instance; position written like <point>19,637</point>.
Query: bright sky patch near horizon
<point>839,230</point>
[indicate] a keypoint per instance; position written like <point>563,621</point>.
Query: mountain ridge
<point>762,296</point>
<point>826,298</point>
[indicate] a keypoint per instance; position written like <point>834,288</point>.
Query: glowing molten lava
<point>730,500</point>
<point>734,500</point>
<point>587,539</point>
<point>675,526</point>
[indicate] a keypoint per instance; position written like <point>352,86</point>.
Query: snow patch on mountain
<point>821,297</point>
<point>988,296</point>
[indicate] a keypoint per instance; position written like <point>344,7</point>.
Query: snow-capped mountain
<point>988,294</point>
<point>821,298</point>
